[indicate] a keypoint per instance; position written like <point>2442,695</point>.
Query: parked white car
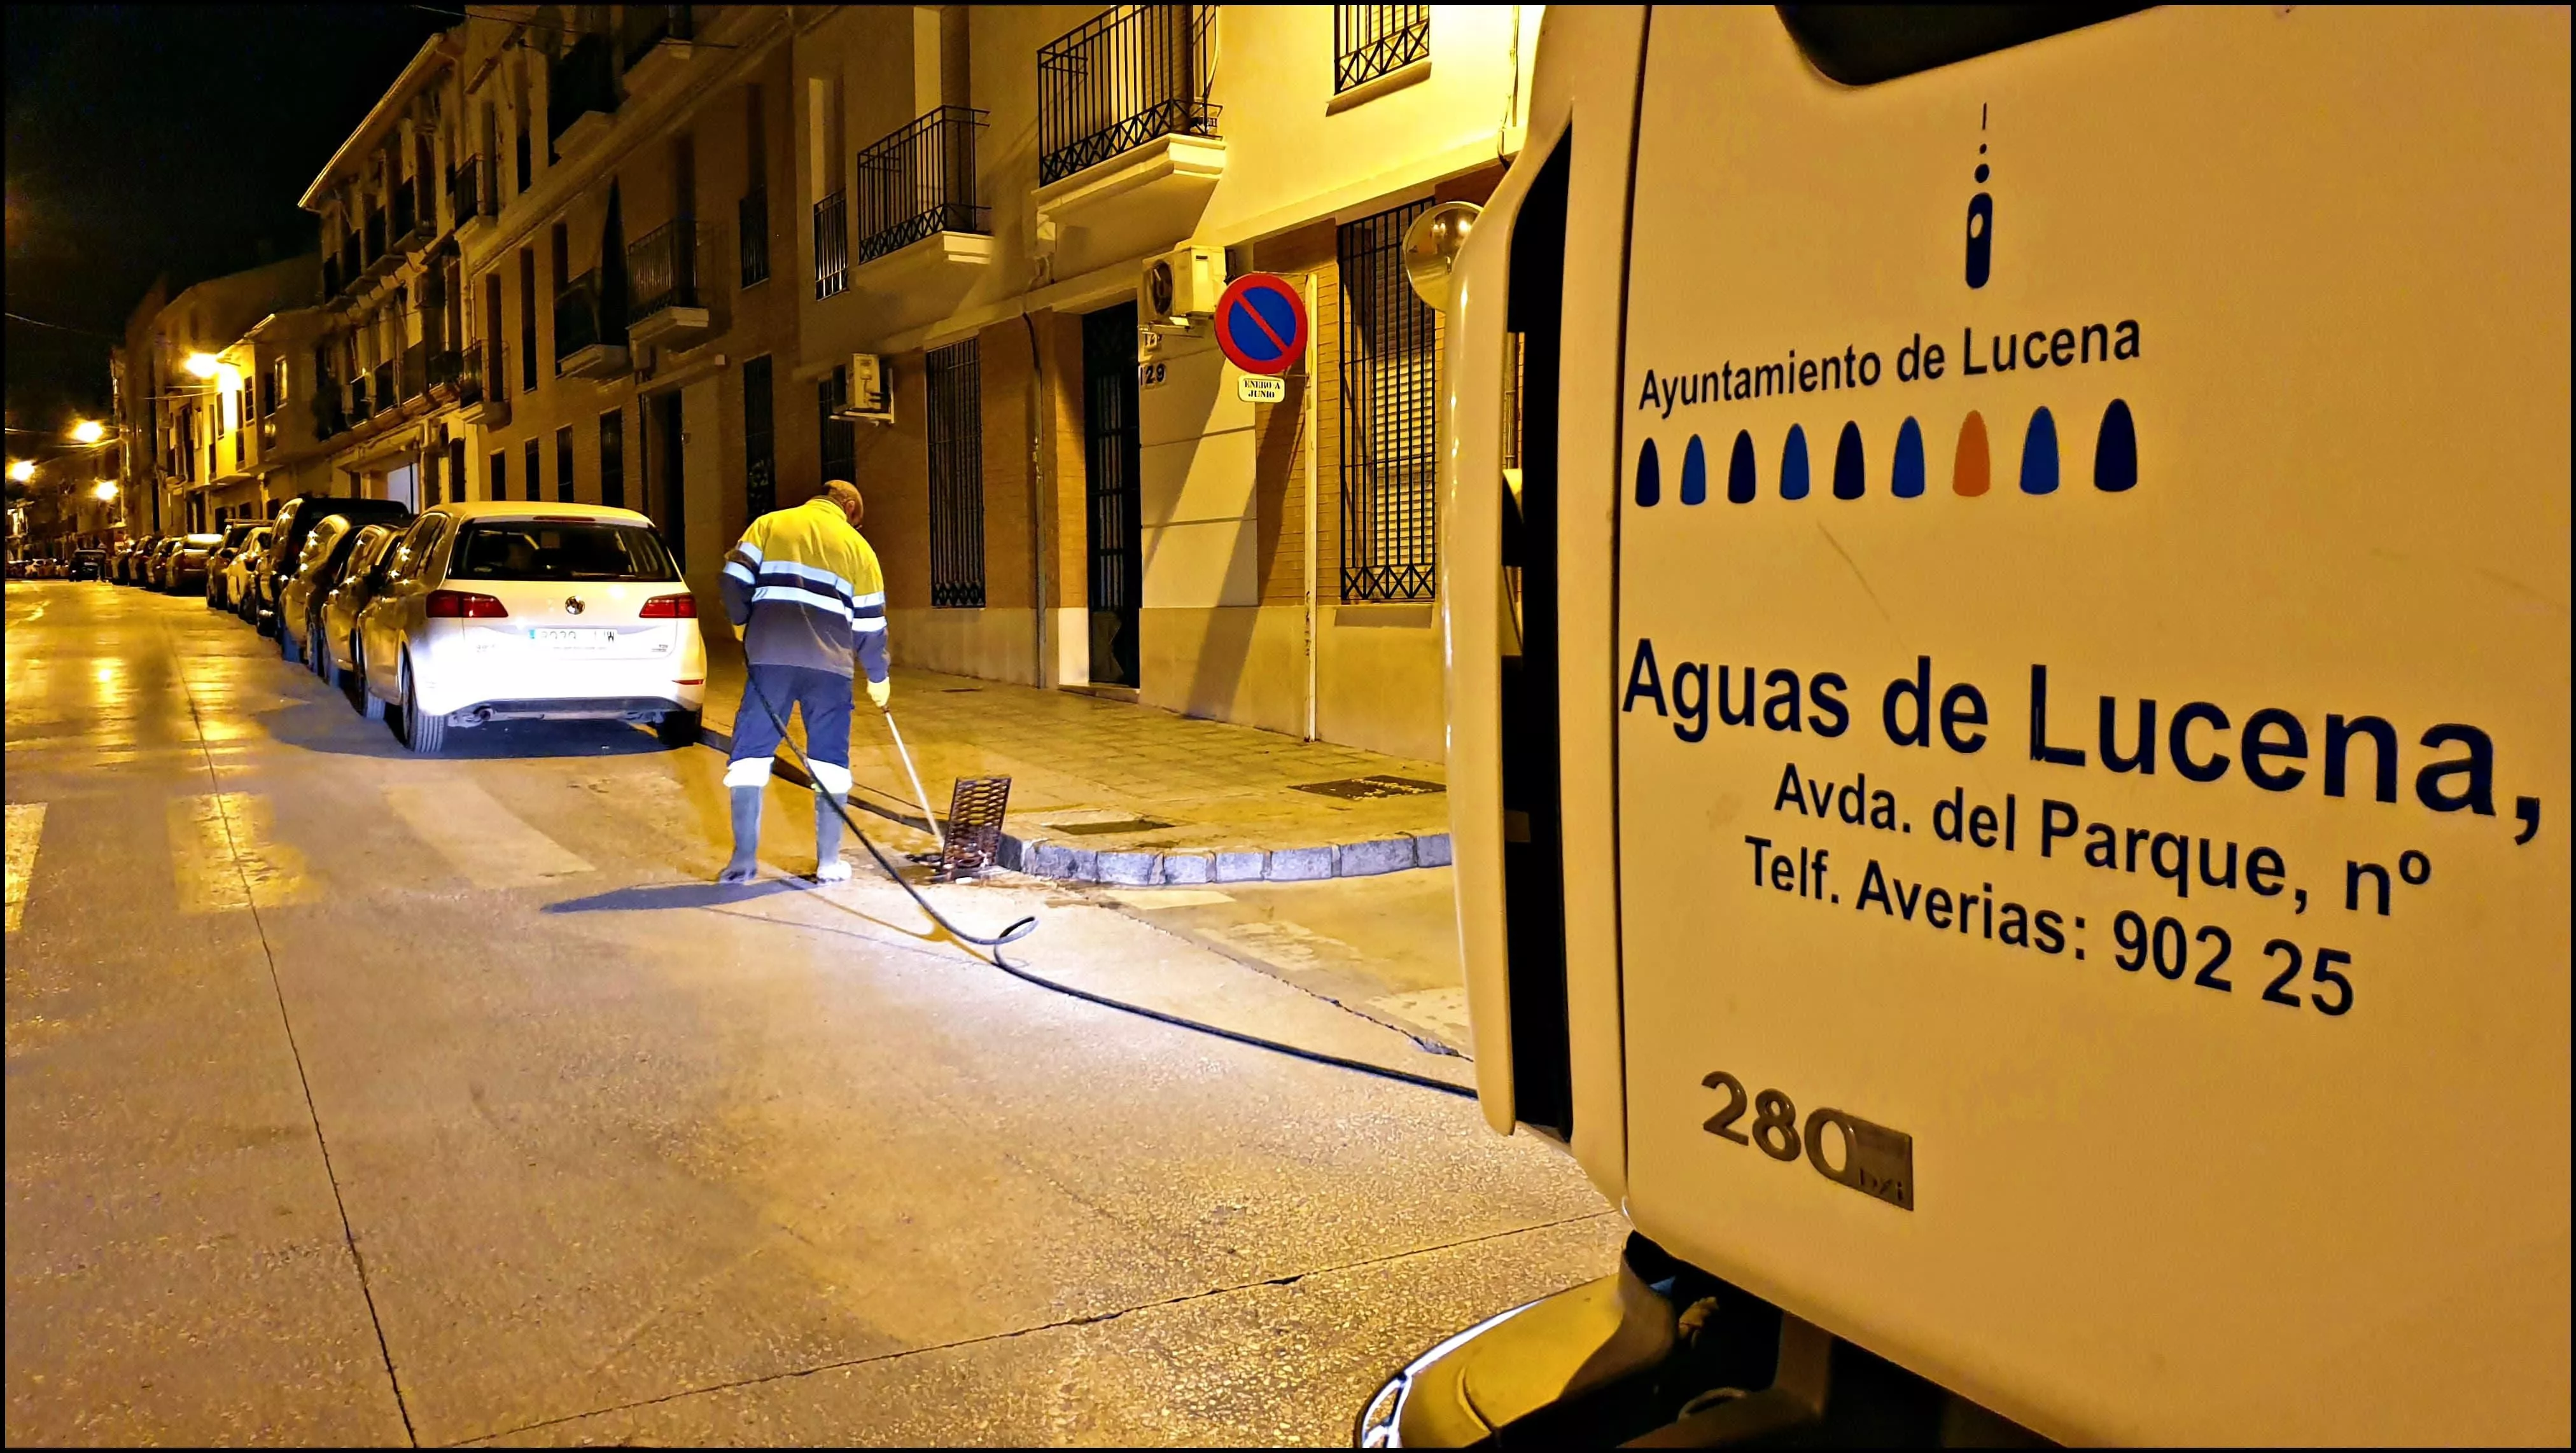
<point>501,610</point>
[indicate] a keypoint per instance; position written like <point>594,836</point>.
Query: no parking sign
<point>1261,324</point>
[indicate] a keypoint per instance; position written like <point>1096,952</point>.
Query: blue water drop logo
<point>2039,455</point>
<point>1905,480</point>
<point>1793,465</point>
<point>1650,475</point>
<point>2115,453</point>
<point>1850,472</point>
<point>1740,483</point>
<point>1694,473</point>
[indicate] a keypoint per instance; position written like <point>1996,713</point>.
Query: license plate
<point>571,640</point>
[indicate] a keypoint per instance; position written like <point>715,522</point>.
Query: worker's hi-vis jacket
<point>806,590</point>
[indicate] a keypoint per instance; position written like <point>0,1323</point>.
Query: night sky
<point>146,140</point>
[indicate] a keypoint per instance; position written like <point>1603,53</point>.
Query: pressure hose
<point>1022,928</point>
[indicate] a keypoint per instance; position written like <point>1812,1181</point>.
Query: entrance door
<point>666,493</point>
<point>402,486</point>
<point>1111,454</point>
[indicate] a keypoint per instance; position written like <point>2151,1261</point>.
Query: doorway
<point>402,486</point>
<point>665,491</point>
<point>1112,456</point>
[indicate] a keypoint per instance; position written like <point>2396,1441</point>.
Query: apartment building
<point>211,426</point>
<point>1063,496</point>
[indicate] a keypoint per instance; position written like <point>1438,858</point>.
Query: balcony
<point>483,386</point>
<point>590,333</point>
<point>831,246</point>
<point>381,391</point>
<point>445,367</point>
<point>357,412</point>
<point>377,260</point>
<point>406,216</point>
<point>1128,151</point>
<point>656,42</point>
<point>581,95</point>
<point>922,239</point>
<point>330,275</point>
<point>662,269</point>
<point>412,373</point>
<point>467,201</point>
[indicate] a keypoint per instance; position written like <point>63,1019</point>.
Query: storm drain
<point>974,833</point>
<point>1362,788</point>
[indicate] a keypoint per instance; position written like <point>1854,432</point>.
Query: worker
<point>807,601</point>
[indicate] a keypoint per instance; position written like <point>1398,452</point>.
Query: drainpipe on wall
<point>1037,494</point>
<point>1314,643</point>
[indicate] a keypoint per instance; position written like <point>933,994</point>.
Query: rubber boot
<point>745,864</point>
<point>828,867</point>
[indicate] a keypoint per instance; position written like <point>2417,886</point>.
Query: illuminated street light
<point>22,470</point>
<point>106,489</point>
<point>88,431</point>
<point>203,365</point>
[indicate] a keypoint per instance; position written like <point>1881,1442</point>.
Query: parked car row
<point>471,613</point>
<point>79,565</point>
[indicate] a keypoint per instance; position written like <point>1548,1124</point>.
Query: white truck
<point>2010,732</point>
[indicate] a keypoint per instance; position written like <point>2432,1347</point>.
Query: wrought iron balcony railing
<point>382,390</point>
<point>584,80</point>
<point>583,317</point>
<point>413,371</point>
<point>920,181</point>
<point>465,200</point>
<point>662,269</point>
<point>1128,76</point>
<point>406,213</point>
<point>375,234</point>
<point>831,245</point>
<point>1370,41</point>
<point>646,26</point>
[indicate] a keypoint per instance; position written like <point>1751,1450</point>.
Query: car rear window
<point>558,550</point>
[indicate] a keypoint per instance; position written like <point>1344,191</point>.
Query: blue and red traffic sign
<point>1261,324</point>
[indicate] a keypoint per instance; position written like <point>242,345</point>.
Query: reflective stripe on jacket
<point>806,589</point>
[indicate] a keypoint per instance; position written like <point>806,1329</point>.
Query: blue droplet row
<point>2115,461</point>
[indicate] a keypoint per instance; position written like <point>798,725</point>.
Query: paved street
<point>354,1097</point>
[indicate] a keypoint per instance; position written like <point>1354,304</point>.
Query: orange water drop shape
<point>1968,471</point>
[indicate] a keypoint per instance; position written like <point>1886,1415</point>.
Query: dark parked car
<point>236,535</point>
<point>129,559</point>
<point>156,566</point>
<point>89,565</point>
<point>295,520</point>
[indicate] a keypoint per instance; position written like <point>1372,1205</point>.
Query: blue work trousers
<point>824,697</point>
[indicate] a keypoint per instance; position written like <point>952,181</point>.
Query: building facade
<point>1064,496</point>
<point>697,259</point>
<point>202,428</point>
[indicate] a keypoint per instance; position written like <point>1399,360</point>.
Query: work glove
<point>878,691</point>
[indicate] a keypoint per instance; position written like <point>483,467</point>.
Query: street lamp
<point>88,431</point>
<point>22,470</point>
<point>106,489</point>
<point>203,365</point>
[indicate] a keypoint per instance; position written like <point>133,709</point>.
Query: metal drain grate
<point>1361,788</point>
<point>975,812</point>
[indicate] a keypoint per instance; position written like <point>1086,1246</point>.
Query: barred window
<point>1390,397</point>
<point>956,476</point>
<point>759,440</point>
<point>840,437</point>
<point>500,474</point>
<point>563,465</point>
<point>1370,41</point>
<point>536,459</point>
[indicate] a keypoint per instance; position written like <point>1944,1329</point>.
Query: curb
<point>1040,858</point>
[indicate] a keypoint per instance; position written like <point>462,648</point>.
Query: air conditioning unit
<point>871,392</point>
<point>1181,287</point>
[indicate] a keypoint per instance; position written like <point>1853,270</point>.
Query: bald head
<point>845,494</point>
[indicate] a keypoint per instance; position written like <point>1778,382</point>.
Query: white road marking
<point>225,857</point>
<point>26,828</point>
<point>480,838</point>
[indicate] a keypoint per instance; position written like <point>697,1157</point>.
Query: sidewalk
<point>1109,792</point>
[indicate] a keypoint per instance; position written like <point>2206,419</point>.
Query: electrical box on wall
<point>871,394</point>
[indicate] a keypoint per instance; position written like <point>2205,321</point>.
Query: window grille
<point>612,458</point>
<point>754,226</point>
<point>956,476</point>
<point>759,440</point>
<point>1390,399</point>
<point>1370,41</point>
<point>840,436</point>
<point>536,463</point>
<point>831,246</point>
<point>1121,79</point>
<point>563,465</point>
<point>500,474</point>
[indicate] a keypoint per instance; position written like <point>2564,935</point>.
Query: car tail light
<point>464,605</point>
<point>670,607</point>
